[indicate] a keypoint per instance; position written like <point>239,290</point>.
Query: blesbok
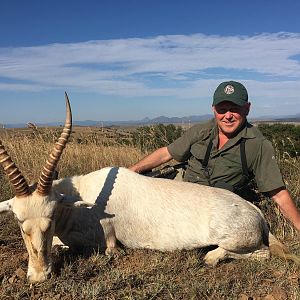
<point>113,204</point>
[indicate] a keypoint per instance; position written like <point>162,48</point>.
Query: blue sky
<point>126,60</point>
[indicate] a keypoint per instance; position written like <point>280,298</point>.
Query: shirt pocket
<point>227,167</point>
<point>198,150</point>
<point>230,160</point>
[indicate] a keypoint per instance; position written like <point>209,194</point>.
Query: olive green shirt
<point>225,164</point>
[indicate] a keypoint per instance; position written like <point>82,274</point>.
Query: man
<point>228,152</point>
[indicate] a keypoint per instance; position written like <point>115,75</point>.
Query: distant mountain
<point>286,118</point>
<point>145,121</point>
<point>290,118</point>
<point>158,120</point>
<point>174,120</point>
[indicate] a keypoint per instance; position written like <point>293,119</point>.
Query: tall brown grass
<point>30,151</point>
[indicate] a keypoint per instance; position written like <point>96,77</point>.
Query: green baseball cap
<point>232,91</point>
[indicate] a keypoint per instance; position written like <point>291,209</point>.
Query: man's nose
<point>228,114</point>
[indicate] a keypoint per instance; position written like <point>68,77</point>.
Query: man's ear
<point>6,205</point>
<point>247,108</point>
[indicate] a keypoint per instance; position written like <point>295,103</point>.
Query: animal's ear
<point>83,204</point>
<point>6,205</point>
<point>67,201</point>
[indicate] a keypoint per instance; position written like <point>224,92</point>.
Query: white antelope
<point>113,204</point>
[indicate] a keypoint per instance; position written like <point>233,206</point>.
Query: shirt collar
<point>245,132</point>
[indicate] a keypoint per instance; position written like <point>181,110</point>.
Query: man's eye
<point>222,111</point>
<point>225,110</point>
<point>234,110</point>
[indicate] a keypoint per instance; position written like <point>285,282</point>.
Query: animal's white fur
<point>141,212</point>
<point>163,214</point>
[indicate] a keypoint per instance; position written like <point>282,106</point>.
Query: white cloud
<point>175,65</point>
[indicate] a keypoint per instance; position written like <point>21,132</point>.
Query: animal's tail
<point>280,250</point>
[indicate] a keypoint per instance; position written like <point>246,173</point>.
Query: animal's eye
<point>26,228</point>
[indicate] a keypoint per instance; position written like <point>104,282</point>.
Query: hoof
<point>210,260</point>
<point>111,251</point>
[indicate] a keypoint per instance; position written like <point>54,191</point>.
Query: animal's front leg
<point>214,256</point>
<point>110,238</point>
<point>111,246</point>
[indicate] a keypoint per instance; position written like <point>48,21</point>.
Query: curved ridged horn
<point>46,178</point>
<point>13,173</point>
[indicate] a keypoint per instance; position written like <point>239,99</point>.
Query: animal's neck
<point>63,215</point>
<point>63,219</point>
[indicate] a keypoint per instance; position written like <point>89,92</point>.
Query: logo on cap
<point>229,89</point>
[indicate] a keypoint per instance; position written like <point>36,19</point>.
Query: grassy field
<point>133,274</point>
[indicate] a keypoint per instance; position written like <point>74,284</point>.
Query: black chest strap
<point>243,158</point>
<point>207,154</point>
<point>205,162</point>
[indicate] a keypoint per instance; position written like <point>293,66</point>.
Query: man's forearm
<point>287,207</point>
<point>151,161</point>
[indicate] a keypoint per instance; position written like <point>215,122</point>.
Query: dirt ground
<point>142,274</point>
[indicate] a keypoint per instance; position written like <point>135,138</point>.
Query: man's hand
<point>151,161</point>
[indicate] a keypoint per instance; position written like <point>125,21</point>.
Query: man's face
<point>230,117</point>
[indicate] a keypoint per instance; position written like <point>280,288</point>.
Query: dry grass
<point>134,274</point>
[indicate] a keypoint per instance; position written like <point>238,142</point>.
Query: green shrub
<point>285,138</point>
<point>149,138</point>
